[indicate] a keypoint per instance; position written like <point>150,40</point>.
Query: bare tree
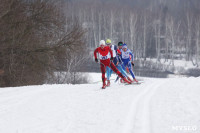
<point>33,36</point>
<point>144,27</point>
<point>189,20</point>
<point>133,20</point>
<point>197,52</point>
<point>173,36</point>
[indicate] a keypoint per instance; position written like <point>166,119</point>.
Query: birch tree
<point>173,36</point>
<point>133,20</point>
<point>189,35</point>
<point>197,52</point>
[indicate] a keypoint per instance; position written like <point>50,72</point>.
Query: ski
<point>135,83</point>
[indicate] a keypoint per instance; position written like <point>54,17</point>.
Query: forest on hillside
<point>158,29</point>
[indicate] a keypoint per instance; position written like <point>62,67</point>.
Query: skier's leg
<point>115,61</point>
<point>108,81</point>
<point>119,67</point>
<point>123,66</point>
<point>124,73</point>
<point>103,75</point>
<point>117,79</point>
<point>108,73</point>
<point>131,71</point>
<point>113,67</point>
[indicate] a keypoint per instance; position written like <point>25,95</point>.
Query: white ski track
<point>138,118</point>
<point>155,106</point>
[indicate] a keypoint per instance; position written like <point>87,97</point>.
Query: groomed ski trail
<point>154,106</point>
<point>139,116</point>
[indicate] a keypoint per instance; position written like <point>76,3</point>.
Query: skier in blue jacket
<point>120,64</point>
<point>127,62</point>
<point>116,61</point>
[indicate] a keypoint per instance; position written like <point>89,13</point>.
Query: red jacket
<point>118,51</point>
<point>103,53</point>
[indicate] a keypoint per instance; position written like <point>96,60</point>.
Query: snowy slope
<point>156,106</point>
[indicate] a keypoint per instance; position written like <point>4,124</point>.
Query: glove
<point>96,60</point>
<point>132,63</point>
<point>111,58</point>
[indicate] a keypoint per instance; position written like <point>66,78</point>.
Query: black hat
<point>120,43</point>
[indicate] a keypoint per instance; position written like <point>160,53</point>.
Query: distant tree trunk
<point>94,30</point>
<point>197,41</point>
<point>189,36</point>
<point>144,40</point>
<point>167,44</point>
<point>159,36</point>
<point>133,21</point>
<point>111,24</point>
<point>122,25</point>
<point>157,39</point>
<point>99,24</point>
<point>173,36</point>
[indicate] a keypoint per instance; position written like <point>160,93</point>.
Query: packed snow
<point>169,105</point>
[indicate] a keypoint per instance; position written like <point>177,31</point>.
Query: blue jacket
<point>125,56</point>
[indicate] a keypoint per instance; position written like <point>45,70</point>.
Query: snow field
<point>155,106</point>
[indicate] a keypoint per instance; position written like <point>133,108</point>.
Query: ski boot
<point>104,86</point>
<point>130,80</point>
<point>136,80</point>
<point>126,80</point>
<point>121,80</point>
<point>108,83</point>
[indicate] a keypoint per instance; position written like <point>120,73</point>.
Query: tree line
<point>152,28</point>
<point>48,41</point>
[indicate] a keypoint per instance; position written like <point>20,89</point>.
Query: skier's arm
<point>118,52</point>
<point>95,54</point>
<point>117,58</point>
<point>115,48</point>
<point>120,58</point>
<point>132,56</point>
<point>111,53</point>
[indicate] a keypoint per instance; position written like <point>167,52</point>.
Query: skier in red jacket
<point>106,57</point>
